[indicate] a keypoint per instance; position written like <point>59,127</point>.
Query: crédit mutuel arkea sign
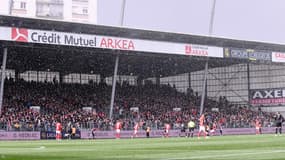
<point>107,42</point>
<point>270,96</point>
<point>141,45</point>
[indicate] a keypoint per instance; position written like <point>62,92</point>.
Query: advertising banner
<point>126,134</point>
<point>247,131</point>
<point>20,135</point>
<point>99,41</point>
<point>51,135</point>
<point>173,133</point>
<point>235,53</point>
<point>268,96</point>
<point>278,57</point>
<point>259,55</point>
<point>250,54</point>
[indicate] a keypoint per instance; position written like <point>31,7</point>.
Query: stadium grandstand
<point>64,71</point>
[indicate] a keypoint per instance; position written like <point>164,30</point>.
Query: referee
<point>191,126</point>
<point>278,120</point>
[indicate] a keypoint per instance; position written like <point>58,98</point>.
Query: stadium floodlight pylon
<point>116,65</point>
<point>206,64</point>
<point>3,77</point>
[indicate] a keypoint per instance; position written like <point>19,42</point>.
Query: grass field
<point>228,147</point>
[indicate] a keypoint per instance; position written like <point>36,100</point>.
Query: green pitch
<point>228,147</point>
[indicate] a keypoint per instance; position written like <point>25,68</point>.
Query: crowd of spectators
<point>156,104</point>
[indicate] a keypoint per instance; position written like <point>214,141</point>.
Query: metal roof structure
<point>67,59</point>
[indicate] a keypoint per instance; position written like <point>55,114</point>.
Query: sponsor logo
<point>278,57</point>
<point>239,53</point>
<point>19,135</point>
<point>114,43</point>
<point>259,55</point>
<point>118,43</point>
<point>196,50</point>
<point>19,34</point>
<point>277,93</point>
<point>59,38</point>
<point>250,54</point>
<point>45,37</point>
<point>268,96</point>
<point>272,101</point>
<point>227,52</point>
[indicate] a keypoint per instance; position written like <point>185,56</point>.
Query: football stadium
<point>82,91</point>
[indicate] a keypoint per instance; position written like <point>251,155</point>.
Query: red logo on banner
<point>196,51</point>
<point>279,55</point>
<point>19,34</point>
<point>188,49</point>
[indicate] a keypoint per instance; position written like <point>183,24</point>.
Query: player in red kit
<point>202,126</point>
<point>58,131</point>
<point>136,128</point>
<point>118,127</point>
<point>166,130</point>
<point>257,126</point>
<point>213,128</point>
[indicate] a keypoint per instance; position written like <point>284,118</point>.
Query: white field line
<point>226,155</point>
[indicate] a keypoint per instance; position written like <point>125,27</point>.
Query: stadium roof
<point>66,59</point>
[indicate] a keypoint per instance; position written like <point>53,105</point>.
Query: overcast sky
<point>261,20</point>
